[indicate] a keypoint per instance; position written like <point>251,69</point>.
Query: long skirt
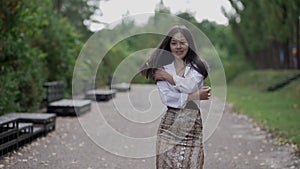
<point>179,142</point>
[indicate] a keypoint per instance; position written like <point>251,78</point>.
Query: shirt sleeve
<point>188,84</point>
<point>171,97</point>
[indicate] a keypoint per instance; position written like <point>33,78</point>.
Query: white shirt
<point>176,95</point>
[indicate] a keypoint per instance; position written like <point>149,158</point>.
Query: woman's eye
<point>183,43</point>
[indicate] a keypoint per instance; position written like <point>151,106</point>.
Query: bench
<point>18,129</point>
<point>100,94</point>
<point>63,107</point>
<point>43,122</point>
<point>121,87</point>
<point>94,94</point>
<point>8,134</point>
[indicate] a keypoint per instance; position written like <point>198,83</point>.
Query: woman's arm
<point>185,85</point>
<point>201,94</point>
<point>188,84</point>
<point>170,97</point>
<point>161,74</point>
<point>177,99</point>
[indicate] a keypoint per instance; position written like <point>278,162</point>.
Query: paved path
<point>87,142</point>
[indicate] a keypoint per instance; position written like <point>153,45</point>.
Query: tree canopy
<point>266,30</point>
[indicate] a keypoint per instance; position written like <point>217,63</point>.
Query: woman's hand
<point>204,93</point>
<point>161,74</point>
<point>201,94</point>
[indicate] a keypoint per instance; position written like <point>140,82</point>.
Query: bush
<point>36,45</point>
<point>21,63</point>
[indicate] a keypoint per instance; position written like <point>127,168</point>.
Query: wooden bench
<point>63,107</point>
<point>94,94</point>
<point>8,134</point>
<point>18,129</point>
<point>43,123</point>
<point>121,87</point>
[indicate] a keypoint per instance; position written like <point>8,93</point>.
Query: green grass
<point>277,111</point>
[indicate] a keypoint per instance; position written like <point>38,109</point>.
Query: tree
<point>79,13</point>
<point>21,63</point>
<point>36,45</point>
<point>264,29</point>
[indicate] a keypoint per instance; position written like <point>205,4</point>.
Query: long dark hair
<point>163,56</point>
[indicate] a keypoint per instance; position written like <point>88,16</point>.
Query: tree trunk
<point>58,6</point>
<point>297,40</point>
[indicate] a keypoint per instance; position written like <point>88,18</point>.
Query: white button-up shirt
<point>176,95</point>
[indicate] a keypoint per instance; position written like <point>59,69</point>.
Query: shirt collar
<point>171,68</point>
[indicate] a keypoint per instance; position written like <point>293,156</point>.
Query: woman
<point>179,73</point>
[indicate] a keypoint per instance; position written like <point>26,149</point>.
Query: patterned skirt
<point>179,143</point>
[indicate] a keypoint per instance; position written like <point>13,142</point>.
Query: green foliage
<point>78,13</point>
<point>8,92</point>
<point>126,49</point>
<point>62,45</point>
<point>222,38</point>
<point>36,46</point>
<point>21,66</point>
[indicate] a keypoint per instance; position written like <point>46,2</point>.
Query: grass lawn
<point>278,111</point>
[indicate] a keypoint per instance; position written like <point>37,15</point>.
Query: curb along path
<point>236,144</point>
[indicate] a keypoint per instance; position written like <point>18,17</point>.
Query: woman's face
<point>179,45</point>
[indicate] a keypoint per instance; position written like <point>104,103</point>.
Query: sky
<point>113,10</point>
